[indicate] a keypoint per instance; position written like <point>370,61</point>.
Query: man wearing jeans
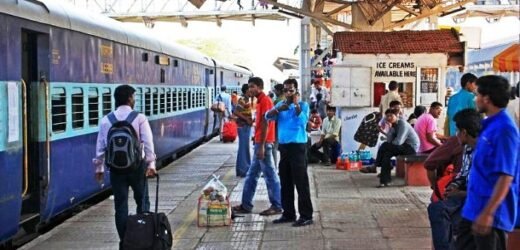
<point>125,100</point>
<point>292,116</point>
<point>263,156</point>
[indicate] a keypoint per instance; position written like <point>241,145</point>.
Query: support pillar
<point>305,58</point>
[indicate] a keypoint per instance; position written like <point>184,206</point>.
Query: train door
<point>35,68</point>
<point>207,101</point>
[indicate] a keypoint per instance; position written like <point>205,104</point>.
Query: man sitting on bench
<point>329,135</point>
<point>401,140</point>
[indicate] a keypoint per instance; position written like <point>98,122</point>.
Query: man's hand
<point>296,99</point>
<point>151,172</point>
<point>482,225</point>
<point>283,107</point>
<point>99,177</point>
<point>261,152</point>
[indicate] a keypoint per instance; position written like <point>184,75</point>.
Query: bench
<point>411,167</point>
<point>513,240</point>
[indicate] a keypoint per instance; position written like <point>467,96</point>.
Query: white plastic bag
<point>214,190</point>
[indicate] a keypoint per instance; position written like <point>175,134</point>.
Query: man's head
<point>124,95</point>
<point>492,93</point>
<point>392,86</point>
<point>223,88</point>
<point>278,89</point>
<point>467,81</point>
<point>391,115</point>
<point>314,111</point>
<point>331,111</point>
<point>245,89</point>
<point>468,126</point>
<point>256,86</point>
<point>436,109</point>
<point>290,87</point>
<point>397,106</point>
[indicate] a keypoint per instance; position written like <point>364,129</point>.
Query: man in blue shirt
<point>291,116</point>
<point>464,99</point>
<point>226,99</point>
<point>491,205</point>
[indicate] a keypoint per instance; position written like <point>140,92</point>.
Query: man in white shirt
<point>392,95</point>
<point>124,96</point>
<point>329,134</point>
<point>320,98</point>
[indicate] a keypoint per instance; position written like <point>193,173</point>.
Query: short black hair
<point>278,87</point>
<point>392,85</point>
<point>518,89</point>
<point>392,111</point>
<point>419,110</point>
<point>469,120</point>
<point>257,81</point>
<point>331,108</point>
<point>466,78</point>
<point>223,88</point>
<point>245,87</point>
<point>314,111</point>
<point>435,105</point>
<point>395,103</point>
<point>122,94</point>
<point>291,81</point>
<point>497,88</point>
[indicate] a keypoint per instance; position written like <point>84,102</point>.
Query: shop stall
<point>416,60</point>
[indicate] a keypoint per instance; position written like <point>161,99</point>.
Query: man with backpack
<point>124,138</point>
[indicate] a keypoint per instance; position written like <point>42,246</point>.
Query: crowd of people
<point>474,170</point>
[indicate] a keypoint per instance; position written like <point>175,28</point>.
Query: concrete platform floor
<point>350,213</point>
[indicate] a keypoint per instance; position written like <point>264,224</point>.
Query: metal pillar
<point>305,58</point>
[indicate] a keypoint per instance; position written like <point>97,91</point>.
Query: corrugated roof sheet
<point>397,42</point>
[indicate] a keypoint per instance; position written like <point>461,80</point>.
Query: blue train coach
<point>59,67</point>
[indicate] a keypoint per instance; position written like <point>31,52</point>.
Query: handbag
<point>218,106</point>
<point>368,131</point>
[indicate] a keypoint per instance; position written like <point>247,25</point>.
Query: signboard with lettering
<point>106,52</point>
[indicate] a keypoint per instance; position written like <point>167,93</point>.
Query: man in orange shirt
<point>263,156</point>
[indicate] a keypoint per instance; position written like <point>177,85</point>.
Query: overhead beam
<point>309,14</point>
<point>339,2</point>
<point>436,10</point>
<point>402,7</point>
<point>323,26</point>
<point>337,10</point>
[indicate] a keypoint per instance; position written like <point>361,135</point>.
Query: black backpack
<point>148,231</point>
<point>124,150</point>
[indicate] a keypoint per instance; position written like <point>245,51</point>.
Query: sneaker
<point>283,219</point>
<point>240,210</point>
<point>271,211</point>
<point>302,222</point>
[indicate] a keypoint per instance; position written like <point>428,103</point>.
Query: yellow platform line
<point>188,220</point>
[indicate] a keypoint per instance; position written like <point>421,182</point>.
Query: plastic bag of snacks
<point>213,205</point>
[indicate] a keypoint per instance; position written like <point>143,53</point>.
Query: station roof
<point>398,42</point>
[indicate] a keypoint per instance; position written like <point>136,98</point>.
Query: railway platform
<point>350,213</point>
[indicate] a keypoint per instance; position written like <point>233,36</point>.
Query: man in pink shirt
<point>426,128</point>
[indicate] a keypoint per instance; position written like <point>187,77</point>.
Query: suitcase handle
<point>157,194</point>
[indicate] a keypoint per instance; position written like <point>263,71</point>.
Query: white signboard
<point>351,86</point>
<point>13,118</point>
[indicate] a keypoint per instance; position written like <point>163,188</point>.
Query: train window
<point>155,100</point>
<point>147,102</point>
<point>190,99</point>
<point>175,101</point>
<point>93,107</point>
<point>175,63</point>
<point>163,76</point>
<point>107,101</point>
<point>162,99</point>
<point>77,108</point>
<point>138,106</point>
<point>58,110</point>
<point>168,99</point>
<point>145,57</point>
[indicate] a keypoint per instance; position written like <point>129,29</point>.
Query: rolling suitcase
<point>148,231</point>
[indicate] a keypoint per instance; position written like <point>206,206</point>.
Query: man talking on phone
<point>291,116</point>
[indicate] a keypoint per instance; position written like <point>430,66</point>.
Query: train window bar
<point>78,116</point>
<point>93,107</point>
<point>168,100</point>
<point>155,100</point>
<point>107,100</point>
<point>147,102</point>
<point>58,110</point>
<point>139,99</point>
<point>162,99</point>
<point>175,102</point>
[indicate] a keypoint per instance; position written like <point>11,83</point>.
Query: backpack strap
<point>131,117</point>
<point>112,118</point>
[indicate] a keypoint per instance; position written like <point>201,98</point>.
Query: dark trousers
<point>293,172</point>
<point>444,221</point>
<point>466,240</point>
<point>328,145</point>
<point>120,184</point>
<point>384,155</point>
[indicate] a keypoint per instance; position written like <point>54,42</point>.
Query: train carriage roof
<point>65,16</point>
<point>233,67</point>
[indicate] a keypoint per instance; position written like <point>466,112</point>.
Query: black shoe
<point>283,219</point>
<point>302,222</point>
<point>239,209</point>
